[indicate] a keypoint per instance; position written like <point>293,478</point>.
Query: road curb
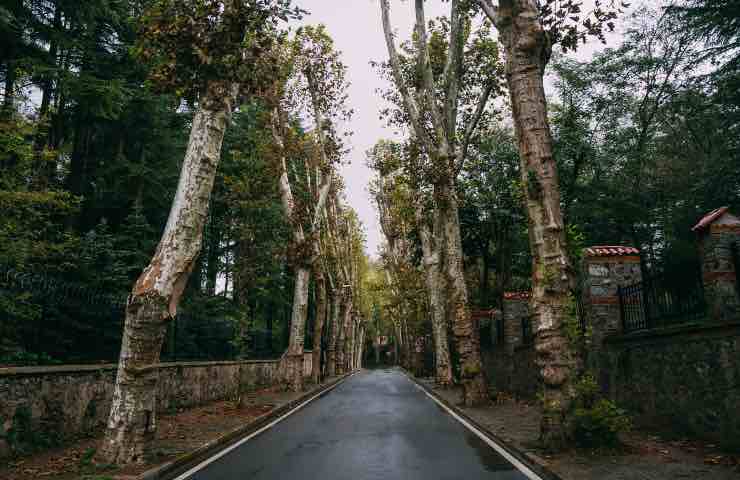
<point>183,463</point>
<point>532,462</point>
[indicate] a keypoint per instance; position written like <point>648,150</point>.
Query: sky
<point>357,32</point>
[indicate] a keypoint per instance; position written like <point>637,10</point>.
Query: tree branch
<point>489,9</point>
<point>395,64</point>
<point>286,194</point>
<point>453,68</point>
<point>473,124</point>
<point>425,65</point>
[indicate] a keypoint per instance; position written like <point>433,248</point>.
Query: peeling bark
<point>445,154</point>
<point>156,294</point>
<point>432,263</point>
<point>331,347</point>
<point>527,50</point>
<point>318,327</point>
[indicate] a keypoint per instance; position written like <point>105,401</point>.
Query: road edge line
<point>183,467</point>
<point>521,460</point>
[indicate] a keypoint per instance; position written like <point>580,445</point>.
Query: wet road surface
<point>375,425</point>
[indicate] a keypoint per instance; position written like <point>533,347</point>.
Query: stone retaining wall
<point>61,402</point>
<point>510,365</point>
<point>685,379</point>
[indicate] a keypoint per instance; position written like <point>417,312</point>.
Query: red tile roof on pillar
<point>517,295</point>
<point>611,251</point>
<point>709,218</point>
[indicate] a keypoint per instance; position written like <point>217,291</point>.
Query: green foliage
<point>23,359</point>
<point>191,43</point>
<point>596,421</point>
<point>24,437</point>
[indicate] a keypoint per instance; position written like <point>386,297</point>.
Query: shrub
<point>597,421</point>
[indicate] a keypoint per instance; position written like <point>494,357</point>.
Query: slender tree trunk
<point>527,52</point>
<point>341,334</point>
<point>467,335</point>
<point>358,346</point>
<point>352,343</point>
<point>376,344</point>
<point>485,293</point>
<point>331,347</point>
<point>321,311</point>
<point>405,344</point>
<point>156,294</point>
<point>9,98</point>
<point>343,357</point>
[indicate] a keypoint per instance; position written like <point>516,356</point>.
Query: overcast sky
<point>356,29</point>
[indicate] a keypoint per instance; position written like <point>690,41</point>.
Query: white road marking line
<point>499,449</point>
<point>220,454</point>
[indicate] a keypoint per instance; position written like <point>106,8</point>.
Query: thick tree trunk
<point>467,335</point>
<point>318,327</point>
<point>294,357</point>
<point>331,347</point>
<point>435,283</point>
<point>155,296</point>
<point>527,52</point>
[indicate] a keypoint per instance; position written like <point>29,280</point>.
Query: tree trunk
<point>527,52</point>
<point>294,357</point>
<point>351,344</point>
<point>467,335</point>
<point>345,333</point>
<point>331,347</point>
<point>156,294</point>
<point>9,99</point>
<point>358,347</point>
<point>318,325</point>
<point>376,344</point>
<point>434,283</point>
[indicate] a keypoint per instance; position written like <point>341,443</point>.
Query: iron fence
<point>54,321</point>
<point>527,332</point>
<point>658,302</point>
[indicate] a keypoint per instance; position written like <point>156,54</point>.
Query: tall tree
<point>434,119</point>
<point>317,88</point>
<point>224,56</point>
<point>528,30</point>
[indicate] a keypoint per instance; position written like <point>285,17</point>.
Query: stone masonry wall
<point>510,366</point>
<point>62,402</point>
<point>684,379</point>
<point>718,270</point>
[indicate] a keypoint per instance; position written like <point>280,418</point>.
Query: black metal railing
<point>500,332</point>
<point>527,332</point>
<point>57,321</point>
<point>657,302</point>
<point>580,312</point>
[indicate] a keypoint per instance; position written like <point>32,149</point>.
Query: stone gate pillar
<point>515,308</point>
<point>719,247</point>
<point>605,268</point>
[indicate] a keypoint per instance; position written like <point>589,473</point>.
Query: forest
<point>179,160</point>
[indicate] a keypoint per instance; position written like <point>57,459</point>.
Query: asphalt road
<point>375,425</point>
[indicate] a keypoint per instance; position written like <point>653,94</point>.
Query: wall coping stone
<point>64,369</point>
<point>687,329</point>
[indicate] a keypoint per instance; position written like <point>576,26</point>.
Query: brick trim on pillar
<point>718,235</point>
<point>515,309</point>
<point>605,269</point>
